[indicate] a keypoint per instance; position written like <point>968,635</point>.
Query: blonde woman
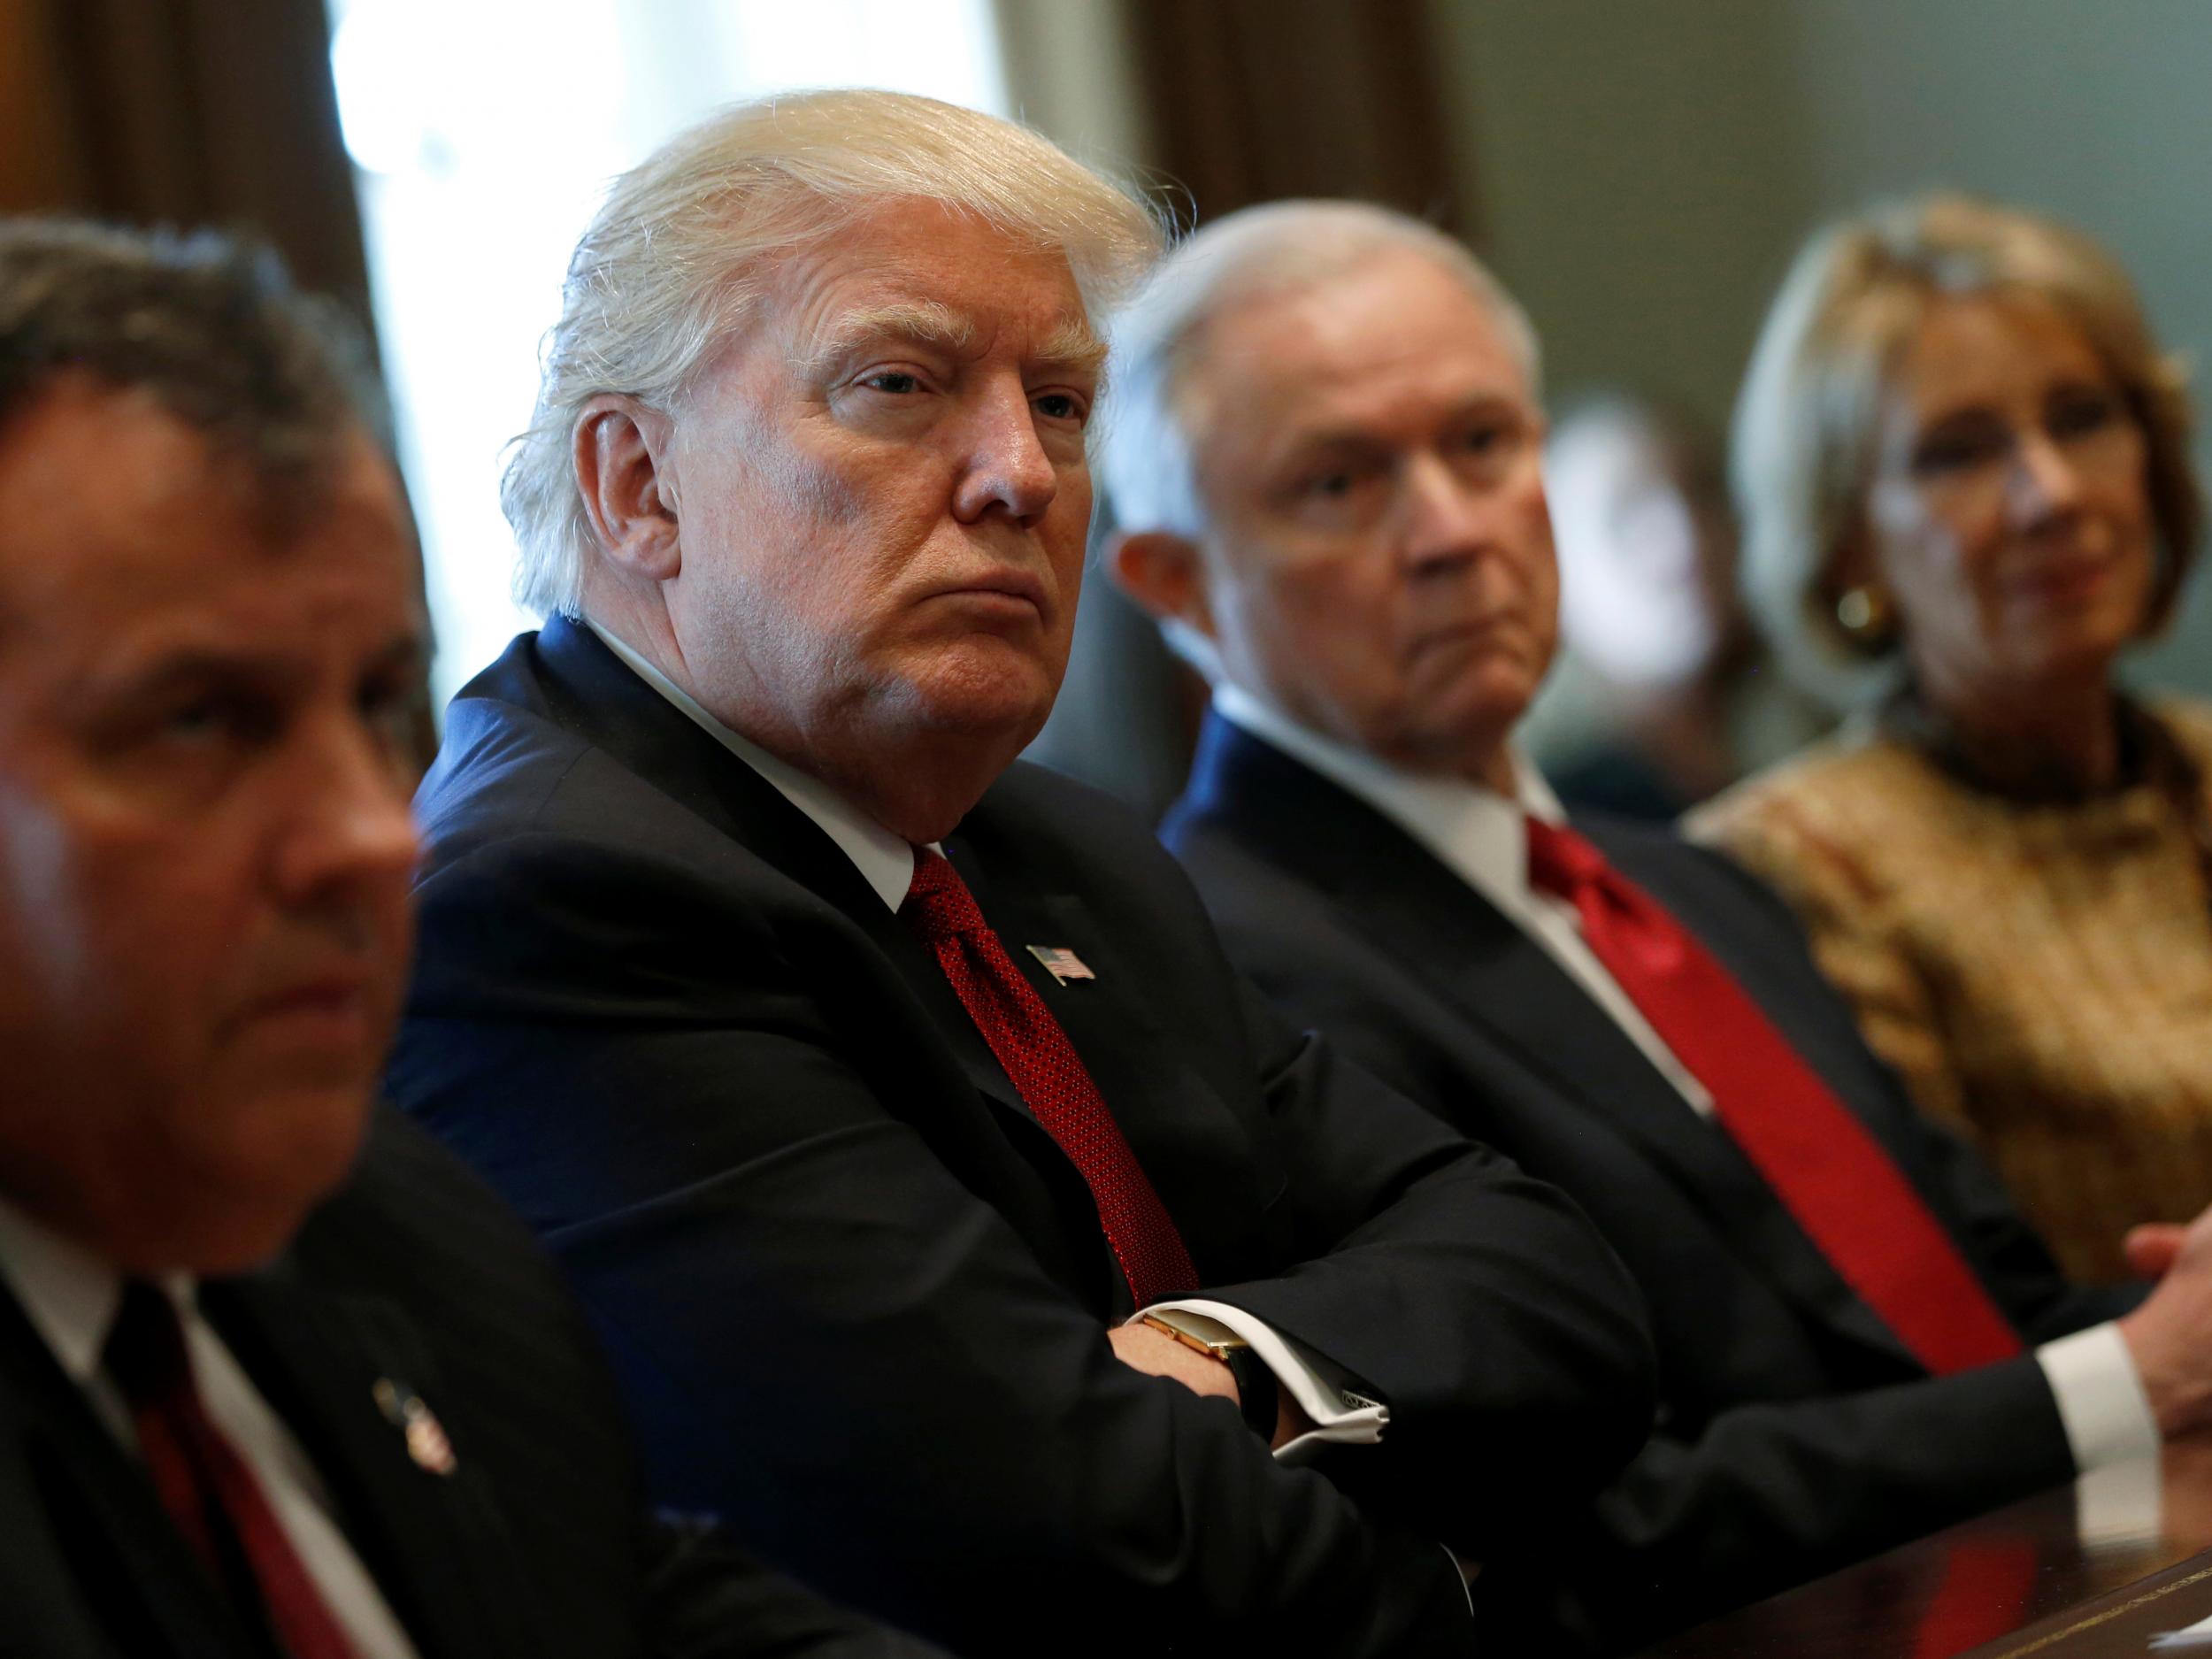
<point>1963,466</point>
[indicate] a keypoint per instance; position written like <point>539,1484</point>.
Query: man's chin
<point>250,1195</point>
<point>989,694</point>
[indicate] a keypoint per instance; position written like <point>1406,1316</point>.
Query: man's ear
<point>1160,572</point>
<point>619,447</point>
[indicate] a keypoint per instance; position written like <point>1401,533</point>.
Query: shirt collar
<point>1476,832</point>
<point>69,1294</point>
<point>885,861</point>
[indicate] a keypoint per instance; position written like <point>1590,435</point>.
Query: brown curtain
<point>184,112</point>
<point>1254,100</point>
<point>189,112</point>
<point>1244,101</point>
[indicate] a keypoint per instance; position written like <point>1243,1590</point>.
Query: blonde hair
<point>1802,446</point>
<point>687,242</point>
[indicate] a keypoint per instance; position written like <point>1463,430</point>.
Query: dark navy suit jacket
<point>857,1295</point>
<point>1795,1433</point>
<point>536,1545</point>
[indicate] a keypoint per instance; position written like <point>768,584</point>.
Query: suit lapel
<point>435,1543</point>
<point>1397,893</point>
<point>132,1567</point>
<point>1193,1150</point>
<point>591,693</point>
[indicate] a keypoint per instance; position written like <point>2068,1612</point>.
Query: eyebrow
<point>1070,348</point>
<point>1337,440</point>
<point>919,322</point>
<point>194,662</point>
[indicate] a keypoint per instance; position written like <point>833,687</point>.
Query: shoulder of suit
<point>1038,802</point>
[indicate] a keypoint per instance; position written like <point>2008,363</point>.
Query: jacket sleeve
<point>1479,1303</point>
<point>823,1335</point>
<point>2012,1258</point>
<point>1761,1494</point>
<point>1771,1494</point>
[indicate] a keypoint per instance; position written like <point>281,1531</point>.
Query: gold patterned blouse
<point>2039,974</point>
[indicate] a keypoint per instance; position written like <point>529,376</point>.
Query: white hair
<point>1145,458</point>
<point>687,243</point>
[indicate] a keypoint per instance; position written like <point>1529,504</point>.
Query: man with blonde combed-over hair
<point>963,1229</point>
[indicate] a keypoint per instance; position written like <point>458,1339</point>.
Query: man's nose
<point>351,823</point>
<point>1444,517</point>
<point>1005,466</point>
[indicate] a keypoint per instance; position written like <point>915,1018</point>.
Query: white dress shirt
<point>1480,836</point>
<point>885,862</point>
<point>72,1297</point>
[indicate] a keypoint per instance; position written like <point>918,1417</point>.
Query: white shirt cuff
<point>2101,1399</point>
<point>1340,1415</point>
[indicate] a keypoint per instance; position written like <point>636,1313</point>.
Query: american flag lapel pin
<point>426,1436</point>
<point>1061,963</point>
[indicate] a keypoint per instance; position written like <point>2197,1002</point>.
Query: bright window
<point>484,133</point>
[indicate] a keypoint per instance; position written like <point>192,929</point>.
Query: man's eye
<point>1062,406</point>
<point>897,381</point>
<point>215,718</point>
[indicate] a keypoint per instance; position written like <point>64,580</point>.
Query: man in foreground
<point>265,1389</point>
<point>871,1086</point>
<point>1326,465</point>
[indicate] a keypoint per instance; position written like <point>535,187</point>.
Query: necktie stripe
<point>1835,1178</point>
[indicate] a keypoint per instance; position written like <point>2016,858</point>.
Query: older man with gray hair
<point>962,1227</point>
<point>1327,464</point>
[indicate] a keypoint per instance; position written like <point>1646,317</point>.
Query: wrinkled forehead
<point>116,518</point>
<point>1390,344</point>
<point>923,272</point>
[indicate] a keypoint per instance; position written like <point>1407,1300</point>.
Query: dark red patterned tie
<point>205,1485</point>
<point>1049,1075</point>
<point>1829,1173</point>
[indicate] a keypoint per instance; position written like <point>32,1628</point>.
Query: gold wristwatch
<point>1256,1383</point>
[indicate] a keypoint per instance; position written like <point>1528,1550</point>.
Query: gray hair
<point>210,328</point>
<point>686,245</point>
<point>1281,246</point>
<point>1802,449</point>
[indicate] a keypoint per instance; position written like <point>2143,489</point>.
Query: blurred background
<point>1639,175</point>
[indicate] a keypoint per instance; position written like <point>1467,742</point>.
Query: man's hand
<point>2153,1248</point>
<point>2171,1334</point>
<point>1156,1354</point>
<point>1143,1348</point>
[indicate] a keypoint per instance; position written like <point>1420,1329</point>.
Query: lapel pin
<point>1061,963</point>
<point>426,1436</point>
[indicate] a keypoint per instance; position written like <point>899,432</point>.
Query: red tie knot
<point>1560,861</point>
<point>938,902</point>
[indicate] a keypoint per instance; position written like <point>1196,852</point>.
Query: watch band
<point>1255,1390</point>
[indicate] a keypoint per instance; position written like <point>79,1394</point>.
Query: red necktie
<point>205,1485</point>
<point>1829,1173</point>
<point>1049,1075</point>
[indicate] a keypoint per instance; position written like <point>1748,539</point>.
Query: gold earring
<point>1868,616</point>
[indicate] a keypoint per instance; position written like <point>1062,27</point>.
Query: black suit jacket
<point>537,1545</point>
<point>858,1296</point>
<point>1795,1433</point>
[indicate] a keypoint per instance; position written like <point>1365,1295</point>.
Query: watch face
<point>1198,1331</point>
